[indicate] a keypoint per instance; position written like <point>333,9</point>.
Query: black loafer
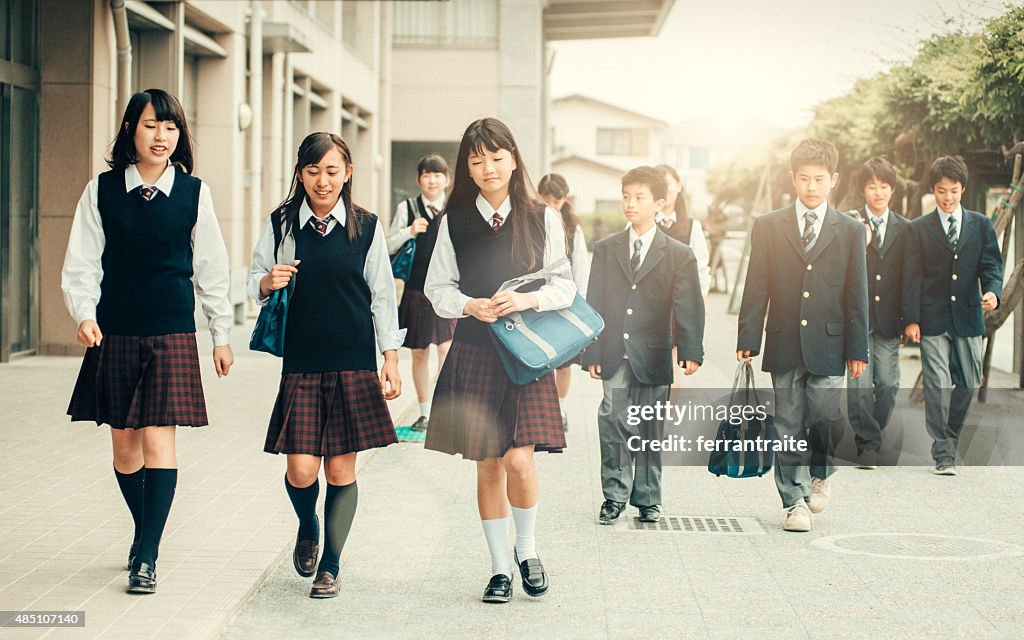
<point>499,589</point>
<point>535,579</point>
<point>420,424</point>
<point>305,553</point>
<point>142,578</point>
<point>610,511</point>
<point>650,514</point>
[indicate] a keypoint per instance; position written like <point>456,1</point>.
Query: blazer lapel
<point>964,226</point>
<point>653,257</point>
<point>789,229</point>
<point>828,232</point>
<point>895,226</point>
<point>620,247</point>
<point>935,224</point>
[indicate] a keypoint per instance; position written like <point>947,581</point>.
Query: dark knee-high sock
<point>159,493</point>
<point>304,502</point>
<point>131,488</point>
<point>339,511</point>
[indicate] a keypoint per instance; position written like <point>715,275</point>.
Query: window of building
<point>699,158</point>
<point>466,23</point>
<point>622,142</point>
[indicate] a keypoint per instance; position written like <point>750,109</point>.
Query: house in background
<point>594,143</point>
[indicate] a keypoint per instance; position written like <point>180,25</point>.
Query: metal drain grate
<point>698,524</point>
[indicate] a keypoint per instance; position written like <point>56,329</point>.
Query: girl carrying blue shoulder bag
<point>268,334</point>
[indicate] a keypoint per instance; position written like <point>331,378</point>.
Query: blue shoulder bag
<point>401,261</point>
<point>532,344</point>
<point>268,334</point>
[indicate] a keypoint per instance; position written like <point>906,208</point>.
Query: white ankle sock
<point>425,409</point>
<point>526,523</point>
<point>496,532</point>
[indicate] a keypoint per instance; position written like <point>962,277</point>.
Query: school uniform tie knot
<point>496,221</point>
<point>635,260</point>
<point>147,193</point>
<point>434,211</point>
<point>321,224</point>
<point>808,238</point>
<point>952,233</point>
<point>876,225</point>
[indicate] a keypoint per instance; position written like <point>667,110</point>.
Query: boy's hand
<point>418,226</point>
<point>89,334</point>
<point>482,309</point>
<point>856,367</point>
<point>223,358</point>
<point>595,371</point>
<point>912,333</point>
<point>743,356</point>
<point>508,302</point>
<point>989,301</point>
<point>278,278</point>
<point>690,367</point>
<point>390,381</point>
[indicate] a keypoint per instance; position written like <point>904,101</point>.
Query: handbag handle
<point>545,273</point>
<point>745,371</point>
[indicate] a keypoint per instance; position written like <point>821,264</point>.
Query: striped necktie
<point>147,193</point>
<point>876,237</point>
<point>321,224</point>
<point>496,222</point>
<point>808,238</point>
<point>635,260</point>
<point>952,234</point>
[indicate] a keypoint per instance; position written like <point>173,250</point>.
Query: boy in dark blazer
<point>871,396</point>
<point>808,271</point>
<point>643,284</point>
<point>954,272</point>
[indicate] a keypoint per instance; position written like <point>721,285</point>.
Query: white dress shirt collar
<point>487,211</point>
<point>338,213</point>
<point>958,215</point>
<point>133,179</point>
<point>437,204</point>
<point>645,241</point>
<point>884,216</point>
<point>802,210</point>
<point>661,215</point>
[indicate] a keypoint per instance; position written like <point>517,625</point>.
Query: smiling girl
<point>331,402</point>
<point>144,239</point>
<point>494,229</point>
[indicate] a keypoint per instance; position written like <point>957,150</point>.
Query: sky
<point>771,60</point>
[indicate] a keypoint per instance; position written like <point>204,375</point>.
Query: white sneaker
<point>821,493</point>
<point>798,518</point>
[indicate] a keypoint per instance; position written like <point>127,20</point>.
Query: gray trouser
<point>871,397</point>
<point>951,369</point>
<point>807,407</point>
<point>626,475</point>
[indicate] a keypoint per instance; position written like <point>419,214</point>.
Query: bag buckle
<point>510,325</point>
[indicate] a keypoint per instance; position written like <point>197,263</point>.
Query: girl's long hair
<point>554,185</point>
<point>312,149</point>
<point>167,108</point>
<point>680,207</point>
<point>491,134</point>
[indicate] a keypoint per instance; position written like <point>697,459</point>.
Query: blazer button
<point>878,276</point>
<point>878,299</point>
<point>625,336</point>
<point>633,287</point>
<point>809,267</point>
<point>629,312</point>
<point>954,276</point>
<point>956,256</point>
<point>953,298</point>
<point>807,294</point>
<point>803,323</point>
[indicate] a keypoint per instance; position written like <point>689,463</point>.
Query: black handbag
<point>268,334</point>
<point>749,461</point>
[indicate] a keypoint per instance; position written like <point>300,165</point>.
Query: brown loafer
<point>325,586</point>
<point>304,557</point>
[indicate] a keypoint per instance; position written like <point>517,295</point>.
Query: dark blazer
<point>817,303</point>
<point>639,312</point>
<point>941,283</point>
<point>885,277</point>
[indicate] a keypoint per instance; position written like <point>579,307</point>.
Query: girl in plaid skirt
<point>331,401</point>
<point>145,239</point>
<point>495,229</point>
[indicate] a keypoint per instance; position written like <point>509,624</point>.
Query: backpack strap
<point>284,244</point>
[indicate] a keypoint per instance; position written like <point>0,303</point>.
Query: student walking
<point>494,229</point>
<point>418,219</point>
<point>554,191</point>
<point>330,402</point>
<point>143,243</point>
<point>675,221</point>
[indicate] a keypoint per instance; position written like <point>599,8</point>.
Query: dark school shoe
<point>325,586</point>
<point>610,511</point>
<point>499,589</point>
<point>142,578</point>
<point>650,514</point>
<point>420,424</point>
<point>305,553</point>
<point>535,579</point>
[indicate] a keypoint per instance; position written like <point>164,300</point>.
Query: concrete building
<point>594,143</point>
<point>255,76</point>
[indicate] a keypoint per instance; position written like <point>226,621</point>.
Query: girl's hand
<point>278,278</point>
<point>482,309</point>
<point>89,334</point>
<point>389,376</point>
<point>508,302</point>
<point>223,358</point>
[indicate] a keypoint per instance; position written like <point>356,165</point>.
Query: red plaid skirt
<point>423,326</point>
<point>477,411</point>
<point>130,382</point>
<point>329,414</point>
